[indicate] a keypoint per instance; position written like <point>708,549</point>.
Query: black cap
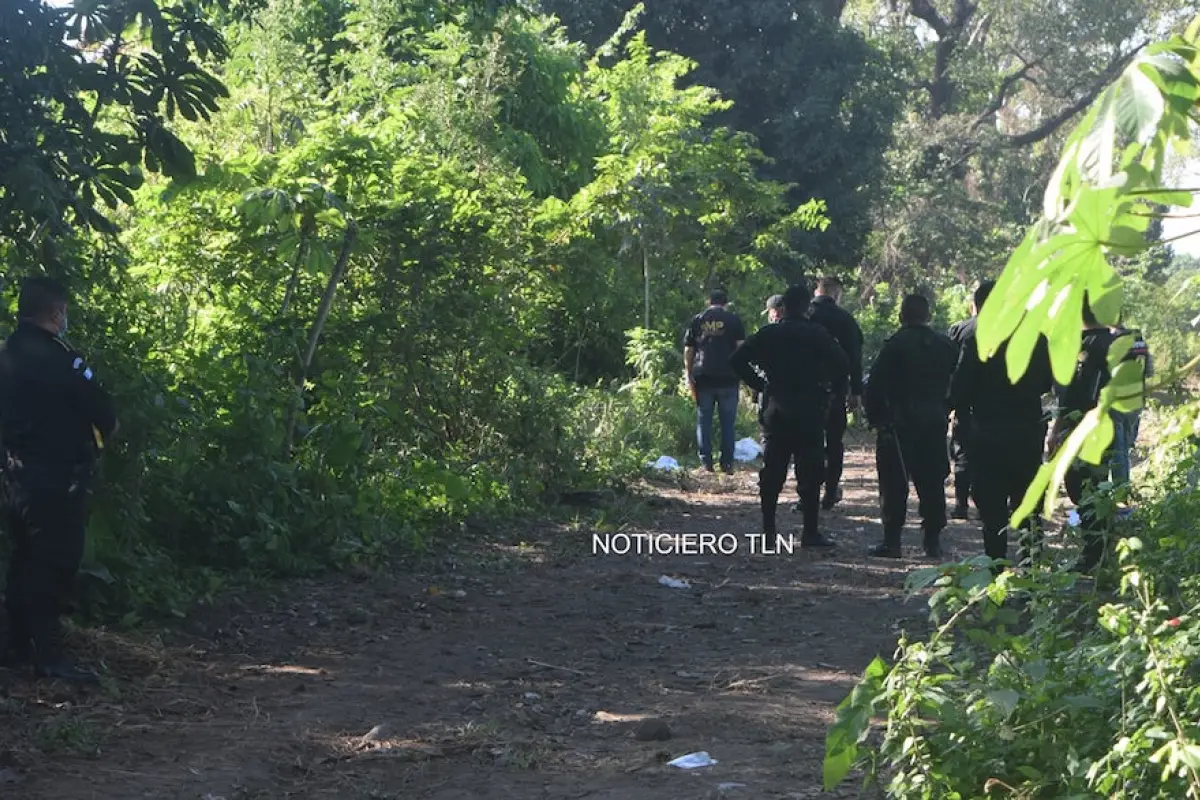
<point>774,303</point>
<point>718,297</point>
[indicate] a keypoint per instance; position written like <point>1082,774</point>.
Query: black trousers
<point>917,456</point>
<point>835,449</point>
<point>47,524</point>
<point>802,437</point>
<point>960,434</point>
<point>1004,462</point>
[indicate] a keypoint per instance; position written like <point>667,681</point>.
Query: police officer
<point>709,340</point>
<point>793,362</point>
<point>773,313</point>
<point>1007,429</point>
<point>907,403</point>
<point>54,417</point>
<point>841,325</point>
<point>961,426</point>
<point>1074,401</point>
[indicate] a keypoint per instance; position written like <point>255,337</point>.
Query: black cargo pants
<point>915,455</point>
<point>799,433</point>
<point>46,516</point>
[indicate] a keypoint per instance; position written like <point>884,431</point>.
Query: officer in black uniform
<point>838,321</point>
<point>1074,401</point>
<point>961,426</point>
<point>907,402</point>
<point>793,363</point>
<point>1007,430</point>
<point>54,418</point>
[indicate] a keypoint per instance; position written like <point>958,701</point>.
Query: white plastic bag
<point>693,760</point>
<point>746,450</point>
<point>666,464</point>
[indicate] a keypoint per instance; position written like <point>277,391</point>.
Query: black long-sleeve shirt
<point>52,408</point>
<point>799,361</point>
<point>841,325</point>
<point>982,388</point>
<point>910,382</point>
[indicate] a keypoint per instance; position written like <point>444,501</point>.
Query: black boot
<point>962,497</point>
<point>933,543</point>
<point>768,516</point>
<point>832,498</point>
<point>889,548</point>
<point>50,660</point>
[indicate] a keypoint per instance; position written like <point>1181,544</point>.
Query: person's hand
<point>853,402</point>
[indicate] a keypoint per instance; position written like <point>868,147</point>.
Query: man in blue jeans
<point>709,341</point>
<point>1126,424</point>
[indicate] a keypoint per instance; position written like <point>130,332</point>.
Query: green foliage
<point>1097,206</point>
<point>393,293</point>
<point>1033,685</point>
<point>89,90</point>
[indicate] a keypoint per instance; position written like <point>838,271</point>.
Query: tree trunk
<point>646,290</point>
<point>314,334</point>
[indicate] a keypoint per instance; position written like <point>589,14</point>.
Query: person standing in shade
<point>54,419</point>
<point>907,403</point>
<point>1074,401</point>
<point>793,363</point>
<point>840,323</point>
<point>961,426</point>
<point>708,343</point>
<point>774,313</point>
<point>1126,424</point>
<point>1007,430</point>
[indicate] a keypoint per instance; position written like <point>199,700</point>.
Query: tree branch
<point>1047,128</point>
<point>924,11</point>
<point>1006,85</point>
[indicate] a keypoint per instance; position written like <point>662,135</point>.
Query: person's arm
<point>854,352</point>
<point>965,380</point>
<point>837,362</point>
<point>689,350</point>
<point>92,400</point>
<point>743,362</point>
<point>875,400</point>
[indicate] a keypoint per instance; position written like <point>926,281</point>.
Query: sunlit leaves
<point>1096,206</point>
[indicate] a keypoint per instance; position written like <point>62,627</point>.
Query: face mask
<point>63,329</point>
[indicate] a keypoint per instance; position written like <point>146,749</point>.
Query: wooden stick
<point>555,666</point>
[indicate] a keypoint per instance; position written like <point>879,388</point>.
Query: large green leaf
<point>1139,105</point>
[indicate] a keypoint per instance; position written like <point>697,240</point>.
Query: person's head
<point>914,310</point>
<point>717,297</point>
<point>774,310</point>
<point>795,301</point>
<point>981,295</point>
<point>43,302</point>
<point>830,287</point>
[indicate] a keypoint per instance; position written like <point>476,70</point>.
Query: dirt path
<point>270,698</point>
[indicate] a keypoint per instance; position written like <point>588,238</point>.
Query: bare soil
<point>517,664</point>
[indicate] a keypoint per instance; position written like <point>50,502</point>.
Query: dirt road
<point>518,666</point>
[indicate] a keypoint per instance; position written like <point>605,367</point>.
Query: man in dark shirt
<point>794,363</point>
<point>838,321</point>
<point>907,402</point>
<point>1007,430</point>
<point>54,418</point>
<point>961,426</point>
<point>710,339</point>
<point>1074,401</point>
